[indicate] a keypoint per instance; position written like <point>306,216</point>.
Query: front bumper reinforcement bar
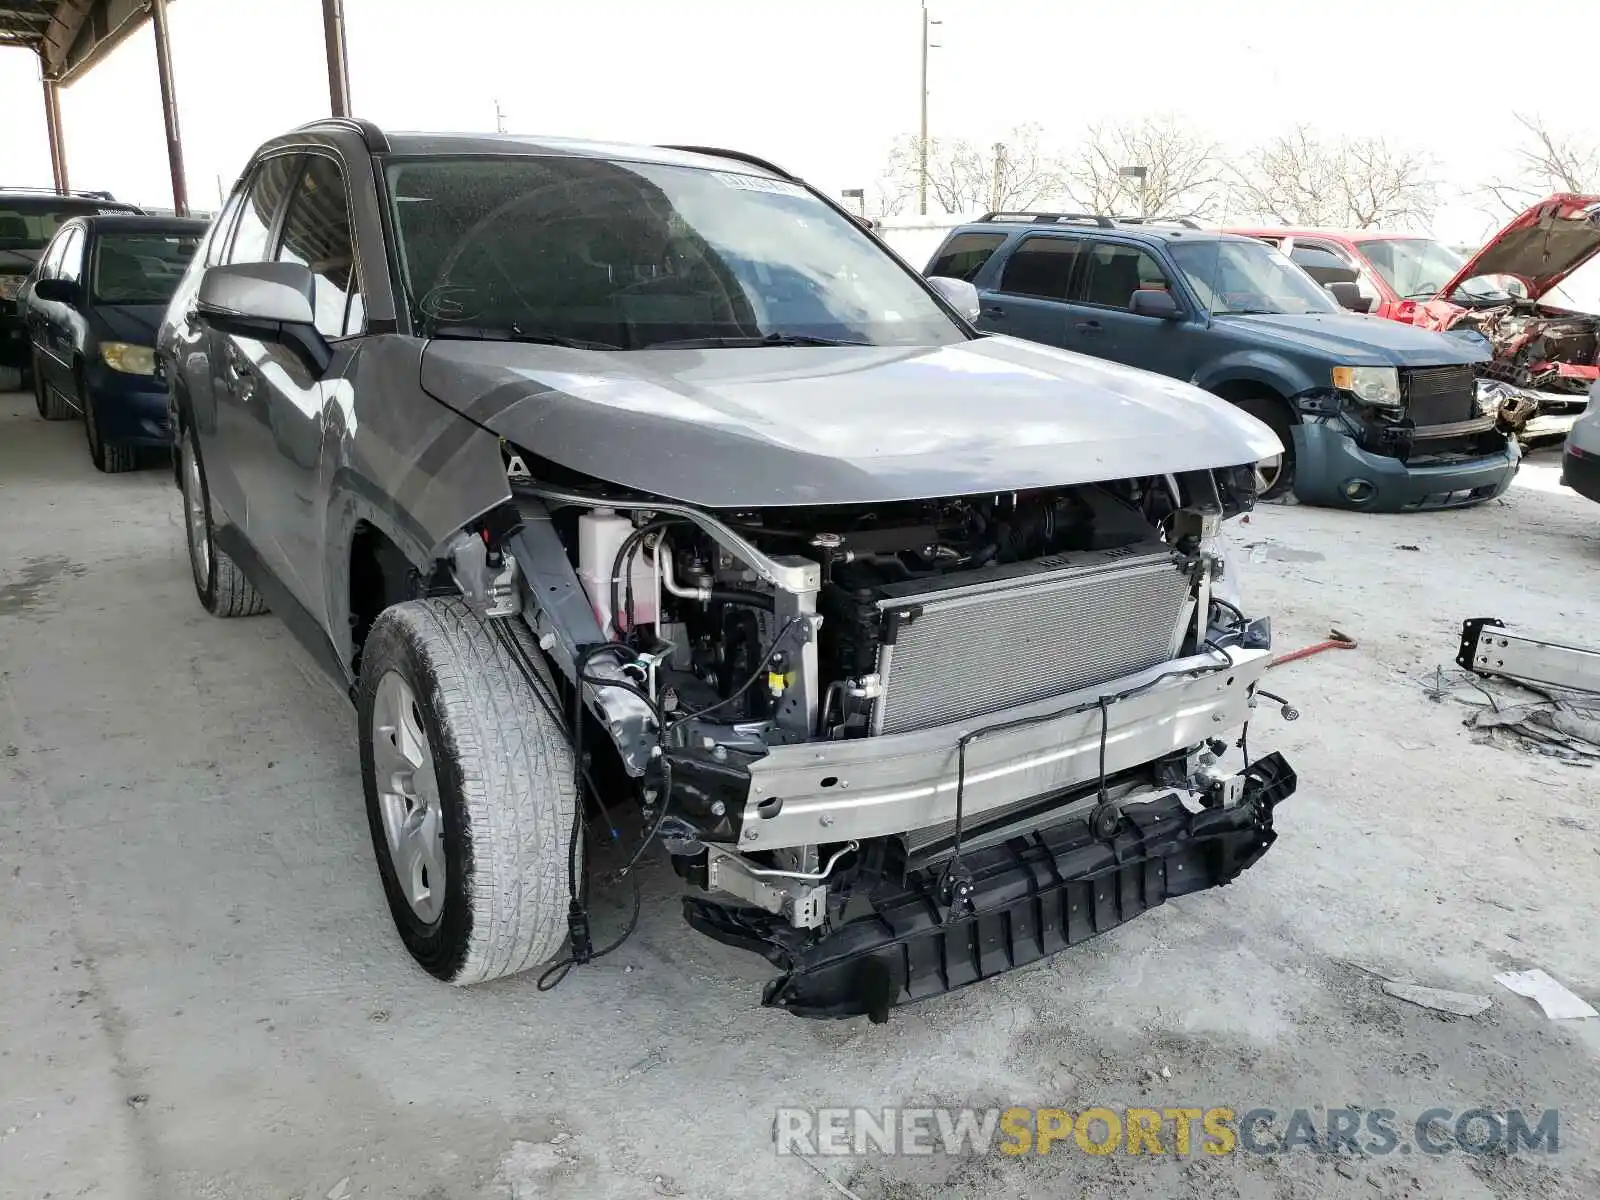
<point>1489,648</point>
<point>1035,895</point>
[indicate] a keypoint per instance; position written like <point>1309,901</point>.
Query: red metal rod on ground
<point>1336,641</point>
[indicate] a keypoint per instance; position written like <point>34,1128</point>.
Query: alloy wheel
<point>194,519</point>
<point>408,797</point>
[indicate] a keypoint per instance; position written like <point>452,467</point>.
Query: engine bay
<point>720,643</point>
<point>1536,347</point>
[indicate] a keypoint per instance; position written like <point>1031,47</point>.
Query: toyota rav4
<point>642,488</point>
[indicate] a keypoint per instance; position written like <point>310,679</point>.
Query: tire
<point>1269,410</point>
<point>52,407</point>
<point>502,796</point>
<point>221,585</point>
<point>12,379</point>
<point>111,457</point>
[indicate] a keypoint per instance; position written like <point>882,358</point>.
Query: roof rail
<point>374,138</point>
<point>739,155</point>
<point>1050,218</point>
<point>1186,222</point>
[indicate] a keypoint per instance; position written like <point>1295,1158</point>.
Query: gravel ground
<point>203,996</point>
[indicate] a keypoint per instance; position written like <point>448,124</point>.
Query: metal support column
<point>169,107</point>
<point>52,122</point>
<point>338,69</point>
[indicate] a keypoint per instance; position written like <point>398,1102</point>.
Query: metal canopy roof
<point>69,36</point>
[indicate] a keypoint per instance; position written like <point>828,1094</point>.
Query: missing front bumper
<point>1035,895</point>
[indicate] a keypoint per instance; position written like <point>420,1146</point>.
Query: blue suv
<point>1372,414</point>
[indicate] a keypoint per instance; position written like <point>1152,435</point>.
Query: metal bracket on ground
<point>1489,648</point>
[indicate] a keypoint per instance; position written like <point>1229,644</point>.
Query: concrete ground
<point>201,995</point>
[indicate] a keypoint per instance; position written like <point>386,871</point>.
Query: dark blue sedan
<point>92,307</point>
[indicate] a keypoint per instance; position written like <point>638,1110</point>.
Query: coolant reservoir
<point>601,532</point>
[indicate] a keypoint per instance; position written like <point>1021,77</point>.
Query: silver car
<point>640,497</point>
<point>1580,461</point>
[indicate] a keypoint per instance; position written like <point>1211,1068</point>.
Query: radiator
<point>1439,395</point>
<point>987,641</point>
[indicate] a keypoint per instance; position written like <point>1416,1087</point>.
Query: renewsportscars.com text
<point>1163,1131</point>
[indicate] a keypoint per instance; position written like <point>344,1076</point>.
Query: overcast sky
<point>823,86</point>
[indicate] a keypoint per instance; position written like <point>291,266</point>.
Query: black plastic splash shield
<point>1035,896</point>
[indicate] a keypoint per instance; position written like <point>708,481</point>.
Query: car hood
<point>134,323</point>
<point>732,428</point>
<point>1541,247</point>
<point>1355,339</point>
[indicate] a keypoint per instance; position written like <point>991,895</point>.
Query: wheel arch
<point>376,557</point>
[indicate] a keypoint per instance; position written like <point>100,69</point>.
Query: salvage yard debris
<point>1558,1002</point>
<point>1334,641</point>
<point>1461,1004</point>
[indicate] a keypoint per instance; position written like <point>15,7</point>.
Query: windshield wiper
<point>499,333</point>
<point>725,343</point>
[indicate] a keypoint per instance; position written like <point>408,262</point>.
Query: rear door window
<point>1114,271</point>
<point>1041,266</point>
<point>963,256</point>
<point>252,239</point>
<point>316,234</point>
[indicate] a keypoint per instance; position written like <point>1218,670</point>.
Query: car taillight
<point>10,285</point>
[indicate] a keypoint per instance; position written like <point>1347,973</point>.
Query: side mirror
<point>271,302</point>
<point>958,293</point>
<point>1349,296</point>
<point>1155,302</point>
<point>56,291</point>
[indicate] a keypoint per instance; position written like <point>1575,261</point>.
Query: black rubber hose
<point>753,599</point>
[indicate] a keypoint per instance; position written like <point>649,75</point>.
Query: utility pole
<point>338,60</point>
<point>1142,174</point>
<point>922,141</point>
<point>996,193</point>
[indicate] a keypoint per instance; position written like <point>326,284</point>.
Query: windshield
<point>1416,268</point>
<point>624,255</point>
<point>140,268</point>
<point>1248,277</point>
<point>30,226</point>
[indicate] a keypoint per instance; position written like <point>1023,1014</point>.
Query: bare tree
<point>1155,167</point>
<point>1548,161</point>
<point>1300,179</point>
<point>964,175</point>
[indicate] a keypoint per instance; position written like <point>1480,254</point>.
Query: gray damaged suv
<point>642,489</point>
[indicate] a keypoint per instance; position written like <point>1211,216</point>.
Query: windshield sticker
<point>759,183</point>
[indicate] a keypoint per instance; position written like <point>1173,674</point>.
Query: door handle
<point>1088,328</point>
<point>994,310</point>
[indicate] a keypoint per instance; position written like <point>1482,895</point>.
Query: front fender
<point>402,462</point>
<point>1273,372</point>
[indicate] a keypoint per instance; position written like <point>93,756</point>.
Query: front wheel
<point>1274,476</point>
<point>470,793</point>
<point>113,458</point>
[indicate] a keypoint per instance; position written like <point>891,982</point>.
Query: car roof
<point>444,144</point>
<point>1142,230</point>
<point>1338,235</point>
<point>137,223</point>
<point>348,132</point>
<point>57,202</point>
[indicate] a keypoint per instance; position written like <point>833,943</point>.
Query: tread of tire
<point>232,594</point>
<point>517,789</point>
<point>54,407</point>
